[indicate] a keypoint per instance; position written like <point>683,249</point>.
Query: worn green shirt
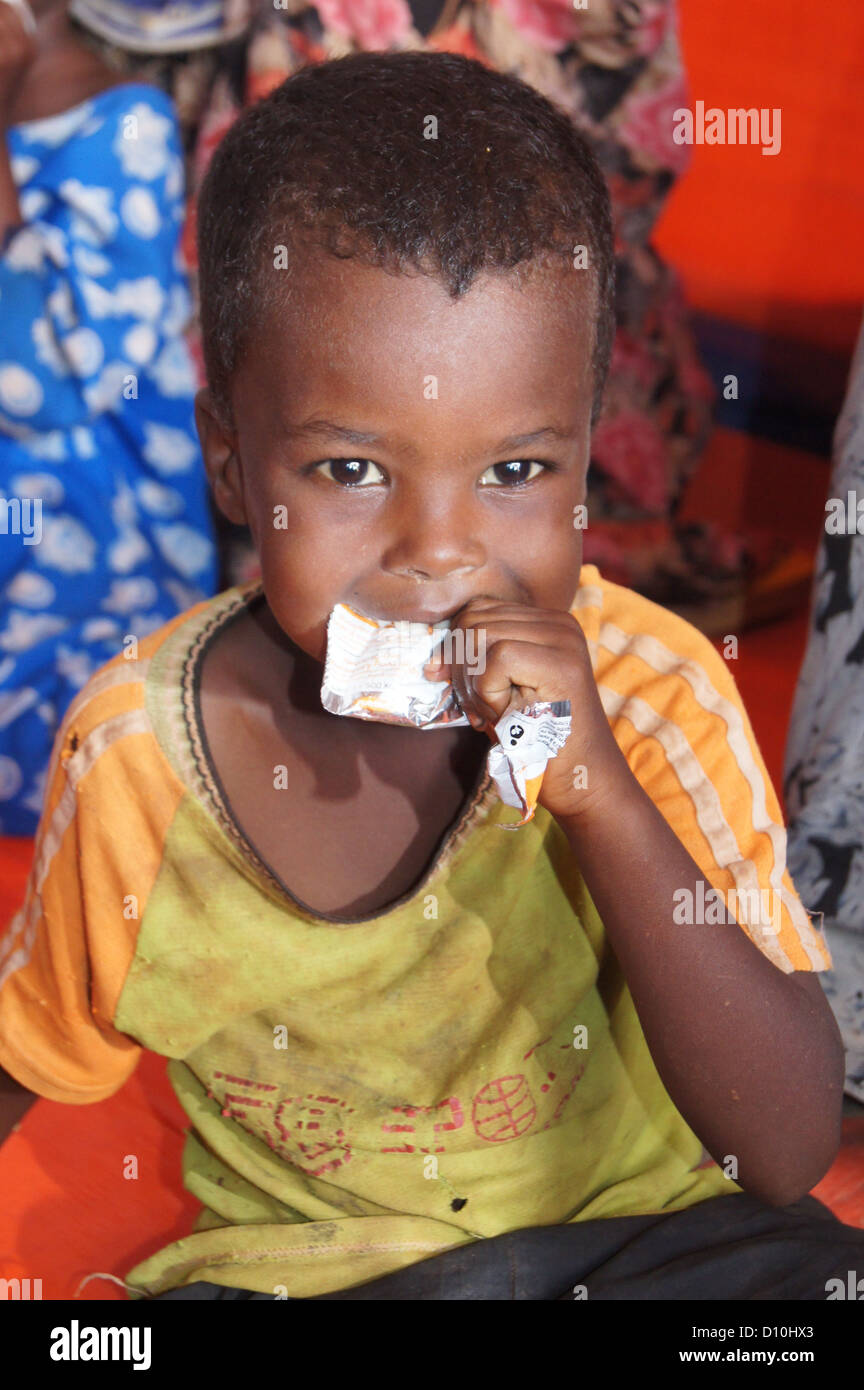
<point>366,1093</point>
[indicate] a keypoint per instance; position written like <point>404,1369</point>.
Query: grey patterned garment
<point>825,753</point>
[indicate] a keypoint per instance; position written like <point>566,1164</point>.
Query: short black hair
<point>338,158</point>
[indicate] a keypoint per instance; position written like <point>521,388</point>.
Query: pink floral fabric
<point>551,24</point>
<point>375,25</point>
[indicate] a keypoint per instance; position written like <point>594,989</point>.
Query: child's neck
<point>369,802</point>
<point>301,674</point>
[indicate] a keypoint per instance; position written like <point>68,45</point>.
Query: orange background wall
<point>776,242</point>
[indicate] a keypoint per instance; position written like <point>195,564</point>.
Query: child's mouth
<point>430,616</point>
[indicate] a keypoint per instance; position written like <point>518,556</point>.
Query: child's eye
<point>351,472</point>
<point>514,472</point>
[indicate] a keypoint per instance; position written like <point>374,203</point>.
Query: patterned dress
<point>825,752</point>
<point>105,525</point>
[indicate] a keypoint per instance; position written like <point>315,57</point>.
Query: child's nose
<point>439,547</point>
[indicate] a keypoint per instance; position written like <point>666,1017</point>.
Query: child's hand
<point>510,655</point>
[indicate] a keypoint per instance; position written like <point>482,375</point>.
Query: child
<point>397,1029</point>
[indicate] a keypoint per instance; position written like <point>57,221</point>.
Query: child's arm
<point>750,1055</point>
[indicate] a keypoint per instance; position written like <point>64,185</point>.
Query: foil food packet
<point>374,670</point>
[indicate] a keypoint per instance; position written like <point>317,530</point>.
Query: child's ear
<point>221,461</point>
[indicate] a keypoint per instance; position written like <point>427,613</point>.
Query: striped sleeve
<point>66,954</point>
<point>678,717</point>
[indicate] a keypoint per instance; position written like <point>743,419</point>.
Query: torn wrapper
<point>527,739</point>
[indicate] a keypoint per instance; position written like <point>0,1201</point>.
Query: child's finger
<point>436,664</point>
<point>444,672</point>
<point>437,669</point>
<point>513,667</point>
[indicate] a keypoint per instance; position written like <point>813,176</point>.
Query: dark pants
<point>726,1248</point>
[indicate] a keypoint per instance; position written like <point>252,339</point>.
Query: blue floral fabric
<point>106,531</point>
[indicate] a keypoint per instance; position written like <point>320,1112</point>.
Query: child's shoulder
<point>658,673</point>
<point>118,698</point>
<point>621,625</point>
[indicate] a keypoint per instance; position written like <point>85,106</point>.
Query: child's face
<point>416,519</point>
